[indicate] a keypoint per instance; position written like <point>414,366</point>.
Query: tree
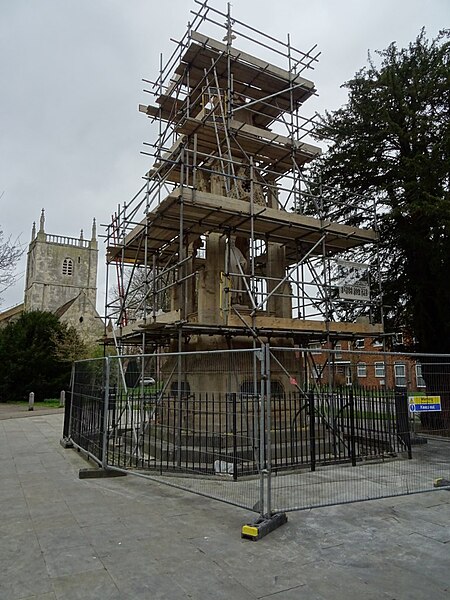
<point>391,141</point>
<point>10,252</point>
<point>68,345</point>
<point>36,352</point>
<point>138,291</point>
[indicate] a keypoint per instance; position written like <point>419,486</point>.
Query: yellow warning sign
<point>424,403</point>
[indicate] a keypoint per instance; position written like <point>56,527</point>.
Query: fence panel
<point>86,406</point>
<point>351,431</point>
<point>190,419</point>
<point>269,429</point>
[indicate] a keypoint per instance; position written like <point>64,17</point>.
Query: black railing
<point>220,433</point>
<point>84,419</point>
<point>191,433</point>
<point>345,425</point>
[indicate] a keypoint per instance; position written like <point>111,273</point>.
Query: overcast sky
<point>71,71</point>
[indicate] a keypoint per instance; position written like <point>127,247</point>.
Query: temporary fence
<point>269,429</point>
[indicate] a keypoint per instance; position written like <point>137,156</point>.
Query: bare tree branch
<point>10,253</point>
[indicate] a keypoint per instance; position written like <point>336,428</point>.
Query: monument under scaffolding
<point>229,243</point>
<point>237,277</point>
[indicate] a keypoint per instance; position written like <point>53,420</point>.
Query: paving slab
<point>94,585</point>
<point>130,538</point>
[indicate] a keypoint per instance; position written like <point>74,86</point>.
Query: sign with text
<point>424,403</point>
<point>354,292</point>
<point>352,280</point>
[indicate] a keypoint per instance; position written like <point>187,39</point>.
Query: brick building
<point>364,362</point>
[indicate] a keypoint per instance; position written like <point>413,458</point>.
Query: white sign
<point>352,280</point>
<point>354,292</point>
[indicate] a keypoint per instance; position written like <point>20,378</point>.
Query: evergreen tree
<point>34,356</point>
<point>391,142</point>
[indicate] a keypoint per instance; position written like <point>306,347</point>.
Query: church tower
<point>62,276</point>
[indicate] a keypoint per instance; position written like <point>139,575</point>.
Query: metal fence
<point>268,429</point>
<point>85,421</point>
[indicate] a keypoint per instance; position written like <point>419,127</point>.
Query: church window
<point>67,268</point>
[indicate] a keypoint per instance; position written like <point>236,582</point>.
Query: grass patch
<point>50,403</point>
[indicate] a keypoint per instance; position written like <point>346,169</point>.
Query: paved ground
<point>17,411</point>
<point>128,538</point>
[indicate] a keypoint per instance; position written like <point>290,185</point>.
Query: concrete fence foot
<point>262,526</point>
<point>99,473</point>
<point>441,482</point>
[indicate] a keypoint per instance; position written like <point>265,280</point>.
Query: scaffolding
<point>231,240</point>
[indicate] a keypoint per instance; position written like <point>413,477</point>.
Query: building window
<point>359,343</point>
<point>67,267</point>
<point>419,376</point>
<point>316,371</point>
<point>398,339</point>
<point>338,348</point>
<point>315,347</point>
<point>400,374</point>
<point>361,369</point>
<point>379,369</point>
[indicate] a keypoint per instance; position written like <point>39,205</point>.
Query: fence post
<point>69,407</point>
<point>312,430</point>
<point>268,427</point>
<point>402,418</point>
<point>235,475</point>
<point>67,411</point>
<point>31,401</point>
<point>262,431</point>
<point>62,399</point>
<point>351,401</point>
<point>105,416</point>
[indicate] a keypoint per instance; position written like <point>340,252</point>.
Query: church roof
<point>9,313</point>
<point>61,310</point>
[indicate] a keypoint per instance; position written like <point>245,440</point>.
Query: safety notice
<point>424,403</point>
